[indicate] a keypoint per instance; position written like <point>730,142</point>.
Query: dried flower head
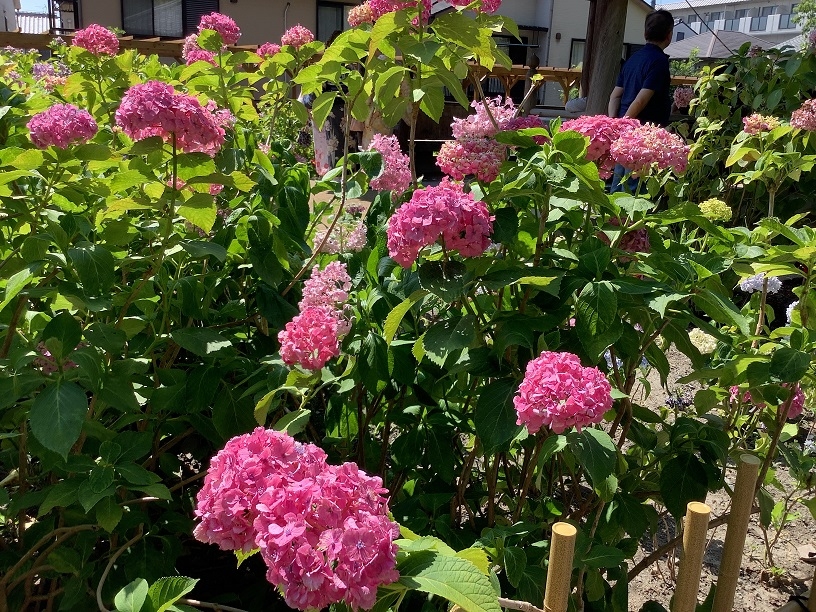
<point>756,123</point>
<point>683,97</point>
<point>804,117</point>
<point>360,14</point>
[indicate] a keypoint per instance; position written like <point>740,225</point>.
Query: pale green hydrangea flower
<point>715,210</point>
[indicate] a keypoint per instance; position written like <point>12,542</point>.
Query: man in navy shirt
<point>642,90</point>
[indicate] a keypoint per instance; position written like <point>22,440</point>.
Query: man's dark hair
<point>659,25</point>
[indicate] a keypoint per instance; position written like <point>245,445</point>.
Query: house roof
<point>797,42</point>
<point>711,47</point>
<point>679,6</point>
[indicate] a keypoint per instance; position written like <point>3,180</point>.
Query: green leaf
<point>135,474</point>
<point>200,210</point>
<point>454,578</point>
<point>62,334</point>
<point>495,418</point>
<point>61,495</point>
<point>598,455</point>
<point>200,341</point>
<point>682,480</point>
<point>57,415</point>
<point>789,365</point>
<point>241,556</point>
<point>322,106</point>
<point>478,557</point>
<point>604,556</point>
<point>515,562</point>
<point>95,267</point>
<point>132,597</point>
<point>166,591</point>
<point>394,318</point>
<point>122,181</point>
<point>200,249</point>
<point>108,514</point>
<point>450,335</point>
<point>720,309</point>
<point>232,415</point>
<point>30,159</point>
<point>294,422</point>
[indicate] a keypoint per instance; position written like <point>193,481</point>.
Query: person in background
<point>642,90</point>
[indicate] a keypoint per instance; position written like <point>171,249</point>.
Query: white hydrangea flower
<point>705,343</point>
<point>754,283</point>
<point>789,311</point>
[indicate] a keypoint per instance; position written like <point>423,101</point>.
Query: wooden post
<point>741,504</point>
<point>607,47</point>
<point>559,573</point>
<point>691,566</point>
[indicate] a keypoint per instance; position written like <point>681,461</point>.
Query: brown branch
<point>209,606</point>
<point>12,327</point>
<point>33,550</point>
<point>518,605</point>
<point>108,567</point>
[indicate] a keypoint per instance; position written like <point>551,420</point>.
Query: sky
<point>39,6</point>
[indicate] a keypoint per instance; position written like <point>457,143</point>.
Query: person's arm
<point>639,103</point>
<point>614,101</point>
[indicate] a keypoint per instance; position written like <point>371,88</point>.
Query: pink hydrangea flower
<point>268,49</point>
<point>155,109</point>
<point>360,14</point>
<point>46,362</point>
<point>50,75</point>
<point>200,55</point>
<point>648,146</point>
<point>487,6</point>
<point>190,45</point>
<point>636,241</point>
<point>225,26</point>
<point>478,124</point>
<point>327,288</point>
<point>804,117</point>
<point>179,185</point>
<point>310,339</point>
<point>558,392</point>
<point>216,189</point>
<point>683,97</point>
<point>480,157</point>
<point>756,123</point>
<point>60,126</point>
<point>796,406</point>
<point>349,237</point>
<point>522,123</point>
<point>382,7</point>
<point>297,36</point>
<point>97,39</point>
<point>445,212</point>
<point>602,132</point>
<point>396,172</point>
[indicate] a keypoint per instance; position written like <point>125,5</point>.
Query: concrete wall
<point>260,20</point>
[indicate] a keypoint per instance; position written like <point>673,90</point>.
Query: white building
<point>769,20</point>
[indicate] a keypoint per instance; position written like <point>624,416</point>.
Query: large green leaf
<point>682,480</point>
<point>495,417</point>
<point>62,334</point>
<point>57,415</point>
<point>394,318</point>
<point>789,365</point>
<point>454,578</point>
<point>132,597</point>
<point>200,341</point>
<point>166,591</point>
<point>95,267</point>
<point>720,309</point>
<point>598,455</point>
<point>450,335</point>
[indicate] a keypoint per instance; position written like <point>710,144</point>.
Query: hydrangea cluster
<point>46,362</point>
<point>558,392</point>
<point>155,109</point>
<point>703,342</point>
<point>60,126</point>
<point>381,7</point>
<point>636,241</point>
<point>322,530</point>
<point>445,212</point>
<point>268,49</point>
<point>97,39</point>
<point>297,36</point>
<point>360,14</point>
<point>190,45</point>
<point>602,132</point>
<point>683,97</point>
<point>327,288</point>
<point>50,75</point>
<point>715,210</point>
<point>789,311</point>
<point>347,237</point>
<point>812,39</point>
<point>396,171</point>
<point>225,26</point>
<point>478,124</point>
<point>756,123</point>
<point>649,146</point>
<point>480,157</point>
<point>754,283</point>
<point>797,402</point>
<point>804,117</point>
<point>310,339</point>
<point>200,55</point>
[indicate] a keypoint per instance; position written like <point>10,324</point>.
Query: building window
<point>680,36</point>
<point>332,17</point>
<point>577,52</point>
<point>691,19</point>
<point>171,18</point>
<point>786,21</point>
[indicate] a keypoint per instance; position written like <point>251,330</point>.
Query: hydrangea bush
<point>209,352</point>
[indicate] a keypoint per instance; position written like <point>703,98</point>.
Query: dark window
<point>332,17</point>
<point>577,52</point>
<point>680,36</point>
<point>170,18</point>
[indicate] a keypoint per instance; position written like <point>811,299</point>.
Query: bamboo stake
<point>694,544</point>
<point>559,574</point>
<point>741,505</point>
<point>812,600</point>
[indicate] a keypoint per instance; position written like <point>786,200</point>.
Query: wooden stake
<point>691,566</point>
<point>741,505</point>
<point>559,574</point>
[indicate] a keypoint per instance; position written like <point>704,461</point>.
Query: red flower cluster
<point>60,126</point>
<point>97,39</point>
<point>445,212</point>
<point>155,109</point>
<point>602,132</point>
<point>268,49</point>
<point>323,530</point>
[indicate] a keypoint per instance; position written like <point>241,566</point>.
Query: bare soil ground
<point>759,588</point>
